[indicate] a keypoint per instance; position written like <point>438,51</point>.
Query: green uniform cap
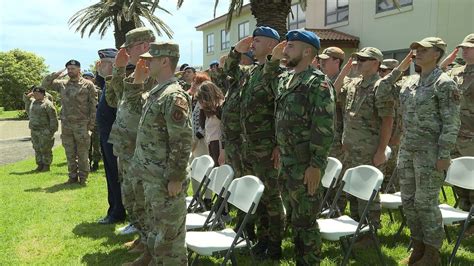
<point>430,42</point>
<point>389,64</point>
<point>370,52</point>
<point>158,49</point>
<point>468,41</point>
<point>141,34</point>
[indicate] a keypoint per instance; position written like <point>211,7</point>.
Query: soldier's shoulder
<point>445,82</point>
<point>455,71</point>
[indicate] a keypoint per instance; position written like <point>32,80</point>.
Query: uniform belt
<point>257,136</point>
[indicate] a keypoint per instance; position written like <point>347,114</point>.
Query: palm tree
<point>124,15</point>
<point>271,13</point>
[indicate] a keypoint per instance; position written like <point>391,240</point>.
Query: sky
<point>41,27</point>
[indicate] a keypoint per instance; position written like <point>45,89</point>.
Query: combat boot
<point>71,181</point>
<point>94,166</point>
<point>45,168</point>
<point>82,181</point>
<point>260,249</point>
<point>416,254</point>
<point>143,260</point>
<point>431,257</point>
<point>274,250</point>
<point>38,168</point>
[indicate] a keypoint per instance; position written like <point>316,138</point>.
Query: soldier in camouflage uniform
<point>47,95</point>
<point>43,124</point>
<point>258,134</point>
<point>304,127</point>
<point>188,75</point>
<point>430,111</point>
<point>367,127</point>
<point>124,130</point>
<point>94,150</point>
<point>464,76</point>
<point>162,150</point>
<point>78,101</point>
<point>216,72</point>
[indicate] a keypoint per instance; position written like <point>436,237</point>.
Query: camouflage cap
<point>333,51</point>
<point>158,49</point>
<point>429,42</point>
<point>389,64</point>
<point>141,34</point>
<point>468,41</point>
<point>370,52</point>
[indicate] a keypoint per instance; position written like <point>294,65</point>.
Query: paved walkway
<point>15,141</point>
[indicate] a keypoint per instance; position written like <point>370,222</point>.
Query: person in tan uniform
<point>78,101</point>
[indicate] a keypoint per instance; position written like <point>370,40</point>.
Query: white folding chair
<point>461,174</point>
<point>244,193</point>
<point>219,180</point>
<point>329,181</point>
<point>200,169</point>
<point>363,182</point>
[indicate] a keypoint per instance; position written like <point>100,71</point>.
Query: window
<point>210,43</point>
<point>225,40</point>
<point>385,5</point>
<point>244,30</point>
<point>337,11</point>
<point>298,19</point>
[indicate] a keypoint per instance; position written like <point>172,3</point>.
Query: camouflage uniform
<point>304,132</point>
<point>430,111</point>
<point>43,124</point>
<point>161,155</point>
<point>464,76</point>
<point>257,98</point>
<point>363,114</point>
<point>78,101</point>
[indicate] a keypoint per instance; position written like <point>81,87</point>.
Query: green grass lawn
<point>44,222</point>
<point>9,114</point>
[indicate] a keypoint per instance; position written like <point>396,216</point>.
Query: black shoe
<point>39,168</point>
<point>45,168</point>
<point>110,220</point>
<point>95,166</point>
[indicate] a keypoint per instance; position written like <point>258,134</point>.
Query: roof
<point>220,18</point>
<point>331,37</point>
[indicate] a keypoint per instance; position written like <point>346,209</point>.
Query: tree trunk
<point>119,32</point>
<point>272,13</point>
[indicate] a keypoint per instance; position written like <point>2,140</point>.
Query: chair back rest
<point>332,171</point>
<point>220,178</point>
<point>201,167</point>
<point>362,180</point>
<point>461,172</point>
<point>388,152</point>
<point>244,192</point>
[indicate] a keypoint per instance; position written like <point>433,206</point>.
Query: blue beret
<point>107,53</point>
<point>308,37</point>
<point>214,62</point>
<point>266,32</point>
<point>88,74</point>
<point>73,62</point>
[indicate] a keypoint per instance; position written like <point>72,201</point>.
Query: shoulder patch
<point>324,85</point>
<point>181,103</point>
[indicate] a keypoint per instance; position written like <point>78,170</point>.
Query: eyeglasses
<point>363,59</point>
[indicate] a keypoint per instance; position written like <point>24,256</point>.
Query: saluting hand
<point>121,59</point>
<point>141,72</point>
<point>449,59</point>
<point>312,177</point>
<point>405,64</point>
<point>61,73</point>
<point>243,45</point>
<point>222,61</point>
<point>277,52</point>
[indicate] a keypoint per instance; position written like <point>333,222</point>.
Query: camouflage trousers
<point>352,158</point>
<point>306,234</point>
<point>269,217</point>
<point>133,196</point>
<point>43,142</point>
<point>94,149</point>
<point>166,220</point>
<point>420,184</point>
<point>233,157</point>
<point>76,142</point>
<point>464,147</point>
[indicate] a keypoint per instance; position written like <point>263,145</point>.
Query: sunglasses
<point>363,59</point>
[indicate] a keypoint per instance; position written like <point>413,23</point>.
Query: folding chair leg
<point>444,194</point>
<point>456,198</point>
<point>460,237</point>
<point>195,259</point>
<point>349,250</point>
<point>403,223</point>
<point>390,215</point>
<point>377,246</point>
<point>447,233</point>
<point>409,245</point>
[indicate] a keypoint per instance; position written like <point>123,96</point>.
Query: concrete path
<point>15,141</point>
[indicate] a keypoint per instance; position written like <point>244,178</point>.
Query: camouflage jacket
<point>164,134</point>
<point>42,114</point>
<point>363,112</point>
<point>78,99</point>
<point>114,83</point>
<point>304,113</point>
<point>218,77</point>
<point>464,77</point>
<point>27,101</point>
<point>257,98</point>
<point>430,111</point>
